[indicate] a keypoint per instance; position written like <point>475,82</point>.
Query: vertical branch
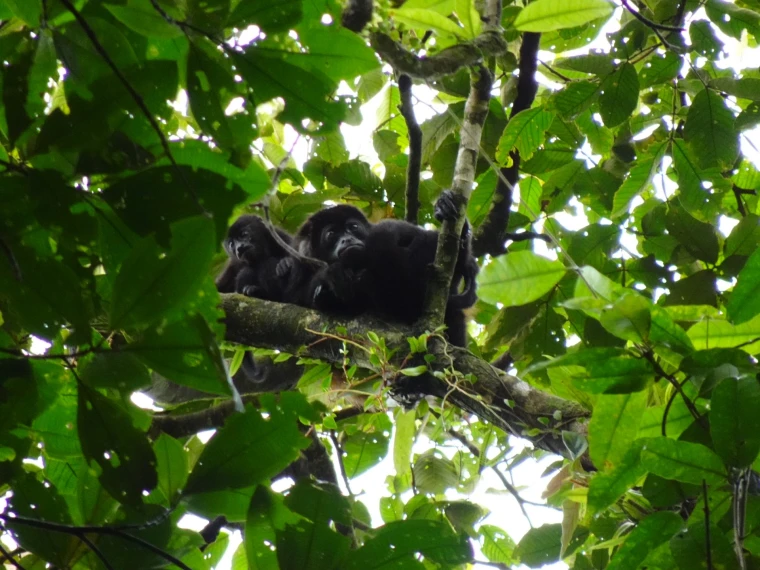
<point>415,149</point>
<point>475,111</point>
<point>492,233</point>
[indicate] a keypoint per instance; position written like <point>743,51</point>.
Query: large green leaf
<point>619,95</point>
<point>151,285</point>
<point>607,486</point>
<point>518,278</point>
<point>246,451</point>
<point>141,17</point>
<point>744,303</point>
<point>682,461</point>
<point>306,94</point>
<point>613,427</point>
<point>548,15</point>
<point>211,87</point>
<point>710,130</point>
<point>397,544</point>
<point>648,535</point>
<point>526,131</point>
<point>109,438</point>
<point>734,421</point>
<point>185,352</point>
<point>719,333</point>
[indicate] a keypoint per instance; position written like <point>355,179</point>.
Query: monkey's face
<point>334,234</point>
<point>247,240</point>
<point>341,240</point>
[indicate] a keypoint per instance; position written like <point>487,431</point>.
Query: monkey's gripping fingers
<point>285,267</point>
<point>447,206</point>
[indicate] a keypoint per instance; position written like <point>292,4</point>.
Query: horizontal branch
<point>499,398</point>
<point>446,62</point>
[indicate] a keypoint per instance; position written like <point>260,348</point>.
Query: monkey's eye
<point>329,233</point>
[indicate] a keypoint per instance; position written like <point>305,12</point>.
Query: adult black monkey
<point>383,268</point>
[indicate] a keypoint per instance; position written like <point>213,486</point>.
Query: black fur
<point>383,268</point>
<point>255,267</point>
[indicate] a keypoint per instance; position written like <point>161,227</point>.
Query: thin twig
<point>670,378</point>
<point>7,557</point>
<point>647,22</point>
<point>665,412</point>
<point>96,551</point>
<point>708,547</point>
<point>79,531</point>
<point>339,453</point>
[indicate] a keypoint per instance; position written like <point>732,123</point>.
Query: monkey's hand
<point>447,206</point>
<point>334,289</point>
<point>286,267</point>
<point>252,291</point>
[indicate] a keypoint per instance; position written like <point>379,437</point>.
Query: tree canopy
<point>612,195</point>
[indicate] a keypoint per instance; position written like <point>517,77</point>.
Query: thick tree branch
<point>506,401</point>
<point>492,234</point>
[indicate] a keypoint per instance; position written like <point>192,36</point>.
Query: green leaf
<point>682,461</point>
<point>37,500</point>
<point>211,87</point>
<point>403,440</point>
<point>733,20</point>
<point>468,14</point>
<point>247,451</point>
<point>540,545</point>
<point>530,197</point>
<point>518,278</point>
<point>710,131</point>
<point>648,534</point>
<point>271,17</point>
<point>419,18</point>
<point>734,421</point>
<point>637,180</point>
<point>629,318</point>
<point>619,95</point>
<point>397,544</point>
<point>172,467</point>
<point>704,40</point>
<point>614,376</point>
<point>700,239</point>
<point>108,438</point>
<point>526,131</point>
<point>596,63</point>
<point>607,486</point>
<point>718,333</point>
<point>264,513</point>
<point>744,303</point>
<point>497,546</point>
<point>150,286</point>
<point>575,98</point>
<point>313,542</point>
<point>185,352</point>
<point>660,69</point>
<point>613,427</point>
<point>29,12</point>
<point>116,370</point>
<point>548,15</point>
<point>306,94</point>
<point>364,450</point>
<point>334,51</point>
<point>435,474</point>
<point>141,17</point>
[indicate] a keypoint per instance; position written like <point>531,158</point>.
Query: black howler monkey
<point>383,268</point>
<point>254,268</point>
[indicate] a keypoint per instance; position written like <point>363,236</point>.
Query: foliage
<point>133,131</point>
